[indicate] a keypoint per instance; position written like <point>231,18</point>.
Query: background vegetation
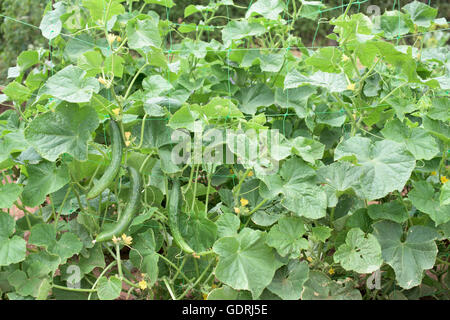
<point>16,37</point>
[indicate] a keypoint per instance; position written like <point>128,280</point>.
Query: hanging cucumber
<point>113,169</point>
<point>128,213</point>
<point>173,208</point>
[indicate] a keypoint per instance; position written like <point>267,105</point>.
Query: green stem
<point>72,289</point>
<point>112,264</point>
<point>258,206</point>
<point>195,188</point>
<point>119,262</point>
<point>392,92</point>
<point>169,289</point>
<point>173,265</point>
<point>238,188</point>
<point>134,79</point>
<point>197,281</point>
<point>442,261</point>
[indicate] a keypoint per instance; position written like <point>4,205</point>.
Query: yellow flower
<point>250,174</point>
<point>351,86</point>
<point>127,135</point>
<point>444,179</point>
<point>119,39</point>
<point>205,296</point>
<point>127,143</point>
<point>102,81</point>
<point>143,284</point>
<point>237,210</point>
<point>331,271</point>
<point>244,202</point>
<point>345,58</point>
<point>433,173</point>
<point>127,240</point>
<point>116,111</point>
<point>115,240</point>
<point>111,38</point>
<point>309,259</point>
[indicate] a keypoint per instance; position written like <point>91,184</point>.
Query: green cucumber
<point>111,172</point>
<point>174,207</point>
<point>128,213</point>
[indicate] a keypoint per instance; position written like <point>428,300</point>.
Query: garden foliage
<point>360,189</point>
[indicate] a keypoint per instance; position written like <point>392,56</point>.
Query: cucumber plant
<point>350,202</point>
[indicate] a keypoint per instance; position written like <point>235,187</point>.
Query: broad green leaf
<point>114,64</point>
<point>310,9</point>
<point>156,84</point>
<point>35,287</point>
<point>253,97</point>
<point>7,224</point>
<point>437,128</point>
<point>44,178</point>
<point>287,237</point>
<point>165,3</point>
<point>309,149</point>
<point>17,92</point>
<point>71,84</point>
<point>288,281</point>
<point>353,30</point>
<point>245,261</point>
<point>227,293</point>
<point>333,82</point>
<point>236,30</point>
<point>321,233</point>
<point>143,255</point>
<point>220,108</point>
<point>8,194</point>
<point>426,200</point>
<point>420,13</point>
<point>409,257</point>
<point>91,62</point>
<point>12,250</point>
<point>27,59</point>
<point>299,195</point>
<point>440,109</point>
<point>109,288</point>
<point>419,142</point>
<point>66,130</point>
<point>394,24</point>
<point>393,210</point>
<point>51,23</point>
<point>98,9</point>
<point>360,252</point>
<point>269,9</point>
<point>67,246</point>
<point>341,176</point>
<point>40,264</point>
<point>96,259</point>
<point>143,34</point>
<point>184,118</point>
<point>444,197</point>
<point>385,165</point>
<point>404,62</point>
<point>320,287</point>
<point>326,59</point>
<point>198,231</point>
<point>227,225</point>
<point>156,133</point>
<point>295,98</point>
<point>42,235</point>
